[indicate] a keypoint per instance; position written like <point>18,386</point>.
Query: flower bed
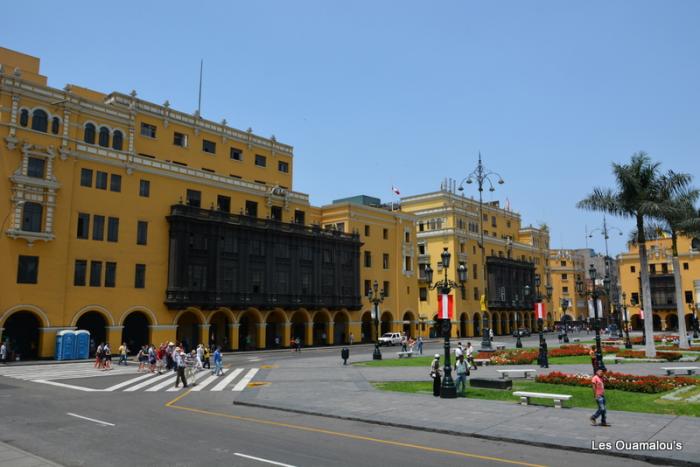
<point>668,356</point>
<point>675,347</point>
<point>527,356</point>
<point>639,339</point>
<point>624,382</point>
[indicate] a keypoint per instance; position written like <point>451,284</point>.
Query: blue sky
<point>374,93</point>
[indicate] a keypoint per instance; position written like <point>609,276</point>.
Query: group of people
<point>103,357</point>
<point>409,343</point>
<point>464,363</point>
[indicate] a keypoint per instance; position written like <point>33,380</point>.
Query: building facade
<point>143,224</point>
<point>566,268</point>
<point>663,290</point>
<point>494,295</point>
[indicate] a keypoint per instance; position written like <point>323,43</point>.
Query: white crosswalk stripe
<point>234,379</point>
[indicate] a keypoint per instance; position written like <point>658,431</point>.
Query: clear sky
<point>375,93</point>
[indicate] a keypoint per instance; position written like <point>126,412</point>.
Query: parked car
<point>390,338</point>
<point>522,332</point>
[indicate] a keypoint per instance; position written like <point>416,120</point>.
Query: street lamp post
<point>538,299</point>
<point>596,322</point>
<point>564,308</point>
<point>444,286</point>
<point>628,342</point>
<point>376,297</point>
<point>481,175</point>
<point>694,308</point>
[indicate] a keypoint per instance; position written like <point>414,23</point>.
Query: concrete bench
<point>501,347</point>
<point>557,398</point>
<point>611,342</point>
<point>683,369</point>
<point>576,339</point>
<point>523,371</point>
<point>482,361</point>
<point>408,354</point>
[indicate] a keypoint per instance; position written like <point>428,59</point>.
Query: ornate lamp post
<point>596,322</point>
<point>564,308</point>
<point>518,342</point>
<point>376,297</point>
<point>444,286</point>
<point>481,175</point>
<point>625,320</point>
<point>538,299</point>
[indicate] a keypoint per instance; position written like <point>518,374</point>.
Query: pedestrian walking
<point>107,353</point>
<point>152,358</point>
<point>491,334</point>
<point>3,353</point>
<point>435,373</point>
<point>122,354</point>
<point>98,357</point>
<point>543,355</point>
<point>470,356</point>
<point>207,354</point>
<point>218,363</point>
<point>200,357</point>
<point>459,351</point>
<point>180,364</point>
<point>599,394</point>
<point>142,357</point>
<point>297,344</point>
<point>352,338</point>
<point>594,360</point>
<point>462,371</point>
<point>420,345</point>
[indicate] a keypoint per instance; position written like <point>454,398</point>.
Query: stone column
<point>470,326</point>
<point>286,334</point>
<point>114,337</point>
<point>204,334</point>
<point>162,333</point>
<point>355,328</point>
<point>309,333</point>
<point>233,336</point>
<point>261,343</point>
<point>330,329</point>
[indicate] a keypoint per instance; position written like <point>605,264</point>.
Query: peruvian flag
<point>641,313</point>
<point>539,309</point>
<point>445,307</point>
<point>395,190</point>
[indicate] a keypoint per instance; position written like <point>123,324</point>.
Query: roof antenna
<point>199,103</point>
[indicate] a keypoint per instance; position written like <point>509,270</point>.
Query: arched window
<point>31,219</point>
<point>104,137</point>
<point>40,120</point>
<point>24,117</point>
<point>55,123</point>
<point>89,136</point>
<point>117,140</point>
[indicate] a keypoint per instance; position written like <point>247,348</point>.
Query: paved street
<point>90,417</point>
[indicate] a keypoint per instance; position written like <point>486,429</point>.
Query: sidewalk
<point>14,457</point>
<point>322,386</point>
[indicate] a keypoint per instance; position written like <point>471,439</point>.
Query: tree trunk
<point>682,333</point>
<point>649,348</point>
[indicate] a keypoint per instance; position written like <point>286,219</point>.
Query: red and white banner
<point>445,307</point>
<point>641,313</point>
<point>540,310</point>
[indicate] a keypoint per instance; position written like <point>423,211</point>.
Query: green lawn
<point>412,361</point>
<point>582,397</point>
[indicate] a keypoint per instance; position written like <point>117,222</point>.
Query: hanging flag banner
<point>540,310</point>
<point>641,313</point>
<point>445,306</point>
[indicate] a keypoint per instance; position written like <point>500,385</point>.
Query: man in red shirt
<point>599,394</point>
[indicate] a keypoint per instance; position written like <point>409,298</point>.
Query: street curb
<point>640,457</point>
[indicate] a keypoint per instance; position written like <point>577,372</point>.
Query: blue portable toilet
<point>65,345</point>
<point>82,344</point>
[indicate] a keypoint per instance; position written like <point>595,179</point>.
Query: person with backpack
<point>98,357</point>
<point>180,365</point>
<point>141,357</point>
<point>107,357</point>
<point>218,363</point>
<point>206,363</point>
<point>122,354</point>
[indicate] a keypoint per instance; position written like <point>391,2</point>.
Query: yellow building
<point>566,267</point>
<point>513,255</point>
<point>663,290</point>
<point>144,224</point>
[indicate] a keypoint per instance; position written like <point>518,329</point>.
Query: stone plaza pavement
<point>14,457</point>
<point>323,386</point>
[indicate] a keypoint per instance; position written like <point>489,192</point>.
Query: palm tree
<point>637,195</point>
<point>679,216</point>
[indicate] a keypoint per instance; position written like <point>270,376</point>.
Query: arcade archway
<point>96,324</point>
<point>135,331</point>
<point>366,327</point>
<point>22,335</point>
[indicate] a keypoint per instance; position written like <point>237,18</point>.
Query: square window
<point>251,208</point>
<point>260,161</point>
<point>299,217</point>
<point>140,276</point>
<point>98,227</point>
<point>86,177</point>
<point>148,130</point>
<point>386,288</point>
<point>283,166</point>
<point>367,231</point>
<point>142,233</point>
<point>407,237</point>
<point>276,213</point>
<point>208,146</point>
<point>110,274</point>
<point>633,269</point>
<point>236,154</point>
<point>83,225</point>
<point>385,260</point>
<point>685,266</point>
<point>223,203</point>
<point>35,167</point>
<point>113,229</point>
<point>476,293</point>
<point>423,294</point>
<point>385,234</point>
<point>368,259</point>
<point>407,263</point>
<point>27,269</point>
<point>180,139</point>
<point>115,183</point>
<point>80,272</point>
<point>101,180</point>
<point>144,188</point>
<point>368,287</point>
<point>194,198</point>
<point>95,273</point>
<point>688,296</point>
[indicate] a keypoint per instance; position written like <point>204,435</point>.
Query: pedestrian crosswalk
<point>233,379</point>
